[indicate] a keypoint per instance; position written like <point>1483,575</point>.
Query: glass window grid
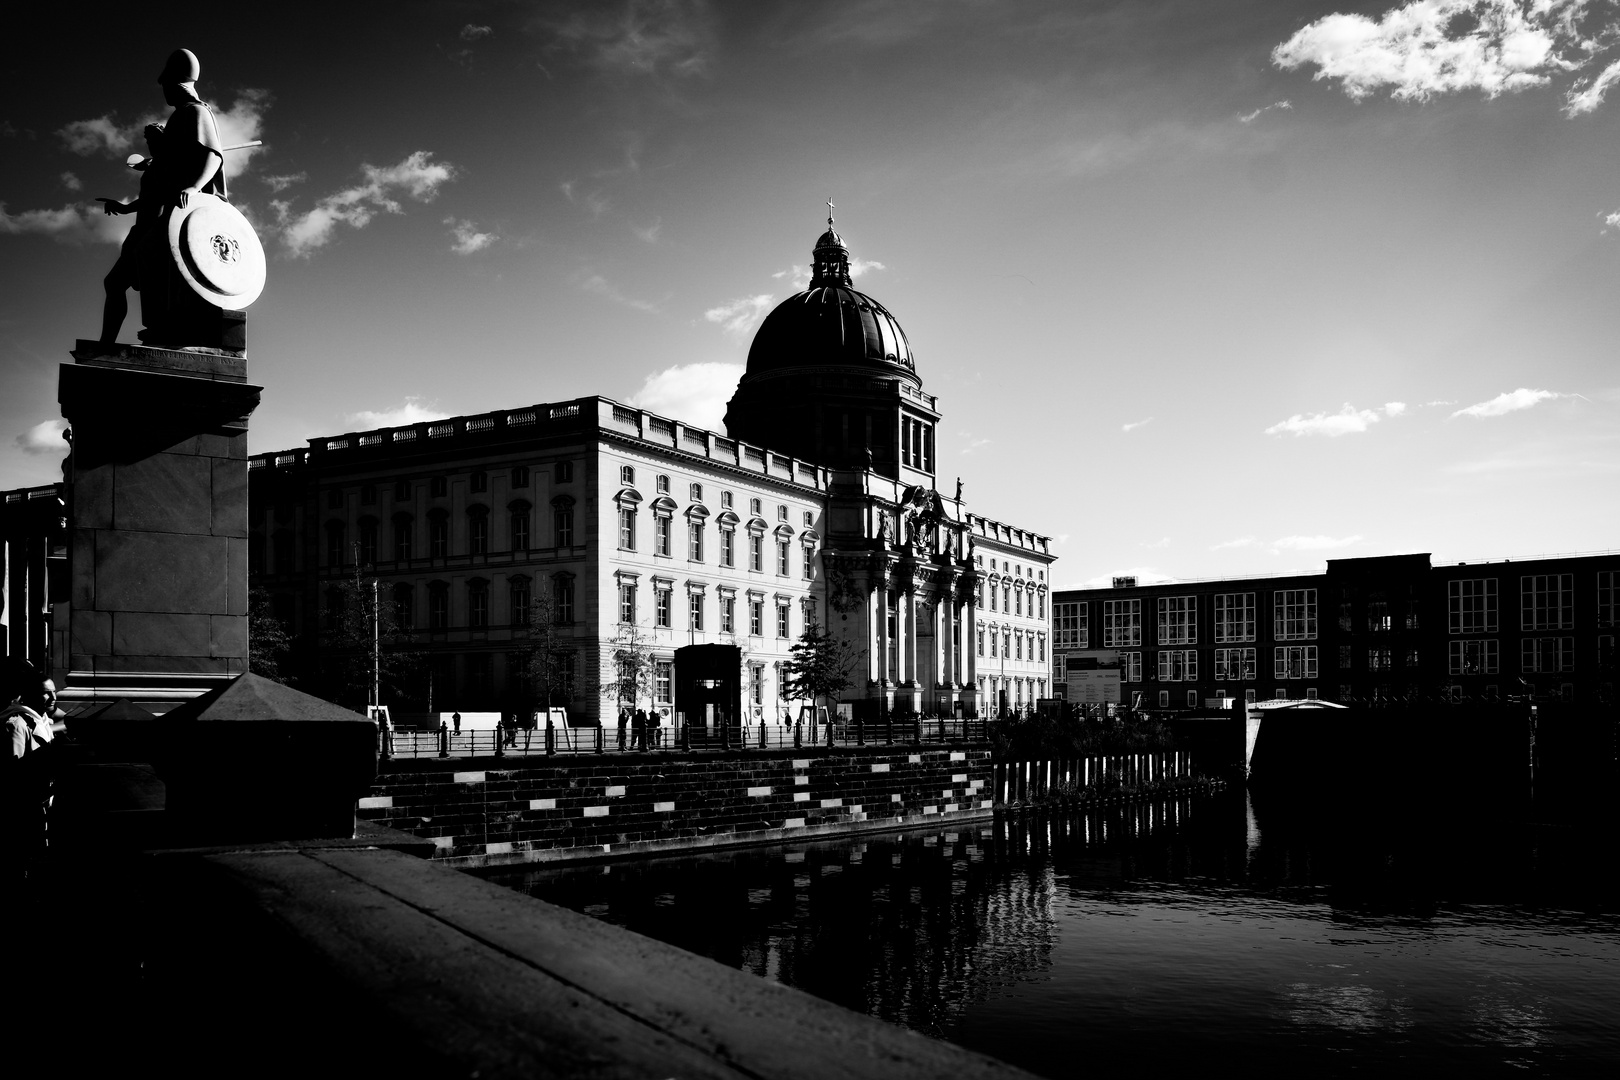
<point>1294,614</point>
<point>1471,606</point>
<point>1236,665</point>
<point>1178,620</point>
<point>1234,617</point>
<point>1546,601</point>
<point>1122,623</point>
<point>1294,662</point>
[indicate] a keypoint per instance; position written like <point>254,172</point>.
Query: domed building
<point>819,506</point>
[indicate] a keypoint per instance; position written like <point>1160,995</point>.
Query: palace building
<point>819,506</point>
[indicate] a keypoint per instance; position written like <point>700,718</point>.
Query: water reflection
<point>1183,931</point>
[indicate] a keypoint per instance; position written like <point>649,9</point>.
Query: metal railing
<point>686,738</point>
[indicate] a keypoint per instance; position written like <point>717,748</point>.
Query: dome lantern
<point>830,264</point>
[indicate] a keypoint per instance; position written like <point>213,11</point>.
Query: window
<point>1377,660</point>
<point>334,499</point>
<point>1042,615</point>
<point>1122,623</point>
<point>1606,598</point>
<point>520,476</point>
<point>402,537</point>
<point>627,601</point>
<point>1019,645</point>
<point>1547,654</point>
<point>1378,618</point>
<point>402,490</point>
<point>336,549</point>
<point>438,606</point>
<point>782,548</point>
<point>664,681</point>
<point>1070,630</point>
<point>810,618</point>
<point>1234,617</point>
<point>627,475</point>
<point>563,473</point>
<point>1005,597</point>
<point>1178,620</point>
<point>782,610</point>
<point>664,602</point>
<point>1164,699</point>
<point>728,614</point>
<point>479,481</point>
<point>756,617</point>
<point>662,484</point>
<point>1295,662</point>
<point>562,597</point>
<point>368,494</point>
<point>809,562</point>
<point>438,534</point>
<point>981,641</point>
<point>756,683</point>
<point>1006,644</point>
<point>809,519</point>
<point>478,603</point>
<point>520,527</point>
<point>994,637</point>
<point>1018,602</point>
<point>1235,665</point>
<point>562,521</point>
<point>1041,640</point>
<point>992,596</point>
<point>1345,657</point>
<point>694,605</point>
<point>756,552</point>
<point>518,596</point>
<point>1178,665</point>
<point>1411,658</point>
<point>696,493</point>
<point>781,513</point>
<point>725,500</point>
<point>754,507</point>
<point>404,606</point>
<point>661,525</point>
<point>439,487</point>
<point>368,541</point>
<point>1546,602</point>
<point>477,530</point>
<point>627,528</point>
<point>694,541</point>
<point>728,547</point>
<point>1605,652</point>
<point>1294,614</point>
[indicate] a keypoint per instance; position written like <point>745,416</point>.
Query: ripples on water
<point>1213,933</point>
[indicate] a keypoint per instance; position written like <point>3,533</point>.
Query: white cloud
<point>1511,401</point>
<point>799,276</point>
<point>1347,421</point>
<point>411,411</point>
<point>859,267</point>
<point>78,223</point>
<point>1240,542</point>
<point>72,182</point>
<point>467,237</point>
<point>1249,118</point>
<point>595,203</point>
<point>694,393</point>
<point>649,235</point>
<point>597,285</point>
<point>739,317</point>
<point>641,37</point>
<point>242,121</point>
<point>281,182</point>
<point>1144,575</point>
<point>104,135</point>
<point>472,32</point>
<point>1312,543</point>
<point>1428,47</point>
<point>1162,543</point>
<point>974,442</point>
<point>415,177</point>
<point>44,437</point>
<point>1134,424</point>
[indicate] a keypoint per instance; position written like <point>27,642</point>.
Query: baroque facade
<point>820,506</point>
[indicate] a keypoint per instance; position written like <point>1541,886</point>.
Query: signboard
<point>1093,676</point>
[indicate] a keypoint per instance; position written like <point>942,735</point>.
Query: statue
<point>191,254</point>
<point>958,489</point>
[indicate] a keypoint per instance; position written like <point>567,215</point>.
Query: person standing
<point>455,720</point>
<point>624,722</point>
<point>29,700</point>
<point>640,729</point>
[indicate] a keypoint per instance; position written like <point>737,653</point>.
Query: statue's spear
<point>139,163</point>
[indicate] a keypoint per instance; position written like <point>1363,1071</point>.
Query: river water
<point>1212,932</point>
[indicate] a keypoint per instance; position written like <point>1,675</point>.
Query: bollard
<point>762,734</point>
<point>829,732</point>
<point>798,734</point>
<point>385,744</point>
<point>444,741</point>
<point>500,743</point>
<point>686,735</point>
<point>601,743</point>
<point>941,729</point>
<point>860,733</point>
<point>888,731</point>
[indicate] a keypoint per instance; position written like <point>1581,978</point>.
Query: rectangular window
<point>1235,665</point>
<point>439,535</point>
<point>1411,658</point>
<point>478,606</point>
<point>809,562</point>
<point>1164,699</point>
<point>519,597</point>
<point>438,607</point>
<point>1020,646</point>
<point>1606,598</point>
<point>981,641</point>
<point>756,552</point>
<point>1122,623</point>
<point>562,590</point>
<point>402,539</point>
<point>1473,658</point>
<point>694,542</point>
<point>1006,644</point>
<point>1018,601</point>
<point>782,547</point>
<point>728,614</point>
<point>661,535</point>
<point>756,617</point>
<point>1070,628</point>
<point>1545,655</point>
<point>782,619</point>
<point>1378,619</point>
<point>627,529</point>
<point>1605,652</point>
<point>520,476</point>
<point>1294,662</point>
<point>627,475</point>
<point>1041,641</point>
<point>478,534</point>
<point>992,597</point>
<point>562,524</point>
<point>694,604</point>
<point>664,681</point>
<point>663,603</point>
<point>627,602</point>
<point>1178,620</point>
<point>1294,614</point>
<point>728,547</point>
<point>1346,657</point>
<point>1471,605</point>
<point>563,472</point>
<point>994,637</point>
<point>1547,601</point>
<point>1379,660</point>
<point>520,530</point>
<point>1178,665</point>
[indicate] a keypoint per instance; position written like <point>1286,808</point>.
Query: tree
<point>268,639</point>
<point>548,658</point>
<point>819,667</point>
<point>635,670</point>
<point>362,633</point>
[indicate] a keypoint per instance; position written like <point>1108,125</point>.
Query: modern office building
<point>1376,629</point>
<point>819,506</point>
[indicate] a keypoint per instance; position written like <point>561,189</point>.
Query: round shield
<point>217,251</point>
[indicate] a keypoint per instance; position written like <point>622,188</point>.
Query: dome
<point>830,324</point>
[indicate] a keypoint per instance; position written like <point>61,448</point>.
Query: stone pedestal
<point>157,521</point>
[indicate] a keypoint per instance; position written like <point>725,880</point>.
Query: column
<point>880,597</point>
<point>910,640</point>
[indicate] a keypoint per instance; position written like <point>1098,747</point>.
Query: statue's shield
<point>217,251</point>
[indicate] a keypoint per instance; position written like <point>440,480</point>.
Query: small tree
<point>635,670</point>
<point>549,655</point>
<point>819,667</point>
<point>350,647</point>
<point>268,639</point>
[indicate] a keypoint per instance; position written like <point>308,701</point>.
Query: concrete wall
<point>489,811</point>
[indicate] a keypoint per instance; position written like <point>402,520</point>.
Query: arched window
<point>697,493</point>
<point>478,530</point>
<point>520,525</point>
<point>627,475</point>
<point>368,541</point>
<point>478,604</point>
<point>404,606</point>
<point>562,599</point>
<point>562,521</point>
<point>438,534</point>
<point>336,550</point>
<point>403,524</point>
<point>438,605</point>
<point>662,484</point>
<point>519,597</point>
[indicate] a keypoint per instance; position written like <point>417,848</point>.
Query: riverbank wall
<point>1093,779</point>
<point>496,811</point>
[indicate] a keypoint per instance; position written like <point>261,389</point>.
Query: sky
<point>1205,288</point>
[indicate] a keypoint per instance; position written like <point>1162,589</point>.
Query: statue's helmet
<point>181,68</point>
